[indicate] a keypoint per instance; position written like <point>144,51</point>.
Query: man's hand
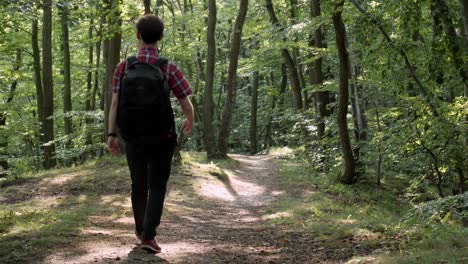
<point>187,127</point>
<point>113,145</point>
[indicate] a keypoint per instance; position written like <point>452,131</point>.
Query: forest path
<point>213,214</point>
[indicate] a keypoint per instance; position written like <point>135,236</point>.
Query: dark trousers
<point>150,166</point>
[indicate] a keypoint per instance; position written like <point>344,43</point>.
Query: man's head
<point>150,29</point>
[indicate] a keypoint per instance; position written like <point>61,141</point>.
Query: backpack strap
<point>131,60</point>
<point>161,61</point>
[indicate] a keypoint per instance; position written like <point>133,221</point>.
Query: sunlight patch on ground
<point>276,216</point>
<point>63,178</point>
<point>347,221</point>
<point>365,260</point>
<point>244,188</point>
<point>215,191</point>
<point>116,200</point>
<point>285,151</point>
<point>125,220</point>
<point>91,253</point>
<point>181,250</point>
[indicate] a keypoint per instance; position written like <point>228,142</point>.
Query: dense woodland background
<point>363,90</point>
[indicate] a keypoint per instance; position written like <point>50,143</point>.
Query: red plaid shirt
<point>176,79</point>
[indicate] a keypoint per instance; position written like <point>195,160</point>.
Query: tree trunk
<point>38,78</point>
<point>89,75</point>
<point>67,103</point>
<point>316,75</point>
<point>343,98</point>
<point>360,121</point>
<point>157,9</point>
<point>461,171</point>
<point>284,84</point>
<point>113,55</point>
<point>268,139</point>
<point>225,129</point>
<point>292,70</point>
<point>297,57</point>
<point>98,64</point>
<point>464,4</point>
<point>147,4</point>
<point>48,85</point>
<point>379,150</point>
<point>112,60</point>
<point>253,115</point>
<point>208,104</point>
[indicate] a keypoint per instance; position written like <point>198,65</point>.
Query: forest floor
<point>222,212</point>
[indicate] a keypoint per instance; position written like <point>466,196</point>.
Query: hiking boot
<point>150,246</point>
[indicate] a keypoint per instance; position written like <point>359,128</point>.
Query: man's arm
<point>113,141</point>
<point>187,109</point>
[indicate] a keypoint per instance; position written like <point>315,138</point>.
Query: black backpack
<point>144,112</point>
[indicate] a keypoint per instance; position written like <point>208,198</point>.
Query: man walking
<point>145,120</point>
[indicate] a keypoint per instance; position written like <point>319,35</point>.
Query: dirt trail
<point>217,218</point>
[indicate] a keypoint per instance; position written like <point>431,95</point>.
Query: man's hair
<point>150,27</point>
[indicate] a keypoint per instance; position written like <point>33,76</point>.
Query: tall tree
<point>48,85</point>
<point>343,96</point>
<point>228,110</point>
<point>38,77</point>
<point>296,54</point>
<point>89,74</point>
<point>359,115</point>
<point>67,102</point>
<point>208,104</point>
<point>98,64</point>
<point>253,114</point>
<point>291,66</point>
<point>113,53</point>
<point>316,39</point>
<point>147,4</point>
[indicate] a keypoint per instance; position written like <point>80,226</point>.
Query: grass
<point>334,213</point>
<point>49,209</point>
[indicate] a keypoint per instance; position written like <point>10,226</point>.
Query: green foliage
<point>389,222</point>
<point>451,209</point>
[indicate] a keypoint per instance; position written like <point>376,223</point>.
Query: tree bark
<point>292,70</point>
<point>38,78</point>
<point>157,9</point>
<point>343,98</point>
<point>208,104</point>
<point>89,75</point>
<point>297,58</point>
<point>360,120</point>
<point>316,74</point>
<point>461,171</point>
<point>98,65</point>
<point>147,4</point>
<point>253,115</point>
<point>67,103</point>
<point>48,86</point>
<point>232,78</point>
<point>113,59</point>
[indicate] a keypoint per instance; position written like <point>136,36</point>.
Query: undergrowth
<point>391,226</point>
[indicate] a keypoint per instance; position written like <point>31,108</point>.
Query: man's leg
<point>159,171</point>
<point>138,172</point>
